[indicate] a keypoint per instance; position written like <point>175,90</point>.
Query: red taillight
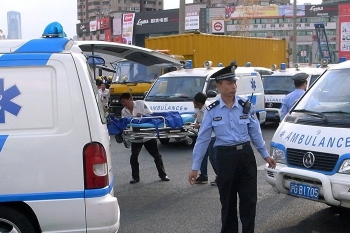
<point>95,166</point>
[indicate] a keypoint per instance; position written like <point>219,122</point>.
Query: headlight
<point>345,167</point>
<point>278,155</point>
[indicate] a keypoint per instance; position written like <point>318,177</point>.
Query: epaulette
<point>241,102</point>
<point>212,105</point>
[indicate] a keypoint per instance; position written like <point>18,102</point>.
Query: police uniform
<point>292,97</point>
<point>237,171</point>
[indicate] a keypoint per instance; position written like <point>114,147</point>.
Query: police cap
<point>226,73</point>
<point>300,77</point>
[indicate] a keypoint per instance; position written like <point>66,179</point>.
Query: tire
<point>11,220</point>
<point>164,140</point>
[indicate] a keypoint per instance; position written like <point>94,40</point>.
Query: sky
<point>36,14</point>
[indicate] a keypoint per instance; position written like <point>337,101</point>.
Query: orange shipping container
<point>223,49</point>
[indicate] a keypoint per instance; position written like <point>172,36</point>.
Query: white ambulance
<point>55,159</point>
<point>276,87</point>
<point>312,143</point>
<point>175,91</point>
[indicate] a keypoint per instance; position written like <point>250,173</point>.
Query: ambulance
<point>55,159</point>
<point>175,91</point>
<point>311,145</point>
<point>277,86</point>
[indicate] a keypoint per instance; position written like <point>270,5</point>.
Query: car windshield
<point>175,88</point>
<point>313,78</point>
<point>128,71</point>
<point>278,84</point>
<point>330,94</point>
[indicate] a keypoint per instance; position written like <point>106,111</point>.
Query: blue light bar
<point>283,66</point>
<point>247,64</point>
<point>54,29</point>
<point>188,64</point>
<point>220,64</point>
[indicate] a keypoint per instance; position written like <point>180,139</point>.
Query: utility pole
<point>294,47</point>
<point>182,16</point>
<point>142,6</point>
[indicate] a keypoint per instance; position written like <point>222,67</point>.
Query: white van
<point>175,91</point>
<point>55,169</point>
<point>278,85</point>
<point>311,145</point>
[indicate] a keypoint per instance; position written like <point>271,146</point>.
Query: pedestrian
<point>300,83</point>
<point>104,95</point>
<point>200,107</point>
<point>137,109</point>
<point>234,122</point>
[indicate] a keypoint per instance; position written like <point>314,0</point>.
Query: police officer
<point>300,83</point>
<point>234,122</point>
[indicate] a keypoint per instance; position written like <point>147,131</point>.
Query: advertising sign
<point>192,21</point>
<point>344,22</point>
<point>157,21</point>
<point>83,28</point>
<point>321,10</point>
<point>103,23</point>
<point>93,26</point>
<point>128,28</point>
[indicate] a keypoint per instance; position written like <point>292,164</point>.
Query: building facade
<point>14,25</point>
<point>89,10</point>
<point>224,3</point>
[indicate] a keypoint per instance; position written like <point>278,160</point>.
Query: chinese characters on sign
<point>128,28</point>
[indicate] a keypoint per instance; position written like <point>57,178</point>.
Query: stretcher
<point>162,126</point>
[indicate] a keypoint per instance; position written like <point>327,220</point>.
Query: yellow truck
<point>137,76</point>
<point>223,49</point>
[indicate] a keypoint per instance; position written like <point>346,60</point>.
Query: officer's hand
<point>192,176</point>
<point>196,126</point>
<point>271,161</point>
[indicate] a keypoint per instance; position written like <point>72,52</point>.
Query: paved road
<point>153,206</point>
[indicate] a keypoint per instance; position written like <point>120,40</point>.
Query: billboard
<point>128,28</point>
<point>344,30</point>
<point>14,25</point>
<point>321,10</point>
<point>83,28</point>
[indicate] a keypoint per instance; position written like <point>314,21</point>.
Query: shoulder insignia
<point>212,105</point>
<point>241,102</point>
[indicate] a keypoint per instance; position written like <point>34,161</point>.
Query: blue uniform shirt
<point>289,101</point>
<point>231,127</point>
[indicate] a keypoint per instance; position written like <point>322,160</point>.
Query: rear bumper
<point>102,214</point>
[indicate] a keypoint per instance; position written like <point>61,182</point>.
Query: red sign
<point>128,17</point>
<point>103,23</point>
<point>217,26</point>
<point>108,35</point>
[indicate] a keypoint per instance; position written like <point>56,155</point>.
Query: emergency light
<point>188,64</point>
<point>220,64</point>
<point>283,66</point>
<point>247,64</point>
<point>54,29</point>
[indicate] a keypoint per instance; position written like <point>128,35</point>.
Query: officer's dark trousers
<point>237,173</point>
<point>152,148</point>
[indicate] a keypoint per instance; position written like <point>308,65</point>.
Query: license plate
<point>302,190</point>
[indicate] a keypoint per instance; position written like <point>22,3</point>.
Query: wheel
<point>164,140</point>
<point>190,141</point>
<point>14,221</point>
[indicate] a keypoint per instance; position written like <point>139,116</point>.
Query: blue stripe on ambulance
<point>2,141</point>
<point>91,193</point>
<point>52,45</point>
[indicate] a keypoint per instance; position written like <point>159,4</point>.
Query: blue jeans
<point>211,154</point>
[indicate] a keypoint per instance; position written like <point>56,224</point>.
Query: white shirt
<point>139,107</point>
<point>104,96</point>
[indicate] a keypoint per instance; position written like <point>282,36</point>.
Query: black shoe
<point>165,178</point>
<point>213,183</point>
<point>201,180</point>
<point>119,138</point>
<point>134,181</point>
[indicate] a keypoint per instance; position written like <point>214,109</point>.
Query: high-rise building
<point>223,3</point>
<point>14,25</point>
<point>89,10</point>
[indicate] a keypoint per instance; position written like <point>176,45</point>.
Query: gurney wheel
<point>190,140</point>
<point>164,140</point>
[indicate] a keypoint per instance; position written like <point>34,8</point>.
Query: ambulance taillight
<point>95,166</point>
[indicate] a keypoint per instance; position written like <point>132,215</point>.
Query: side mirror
<point>211,94</point>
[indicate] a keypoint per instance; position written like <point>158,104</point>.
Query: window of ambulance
<point>174,89</point>
<point>313,78</point>
<point>98,101</point>
<point>328,101</point>
<point>278,84</point>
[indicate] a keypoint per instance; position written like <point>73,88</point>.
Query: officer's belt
<point>235,147</point>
